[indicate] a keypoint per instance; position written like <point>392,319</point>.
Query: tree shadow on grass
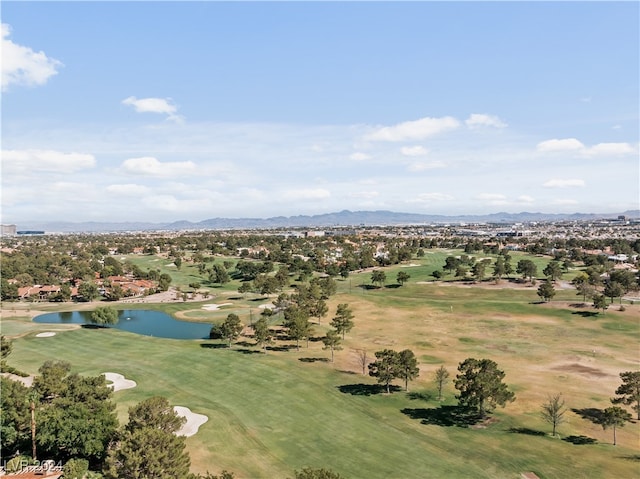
<point>527,431</point>
<point>213,346</point>
<point>586,314</point>
<point>366,389</point>
<point>414,396</point>
<point>313,360</point>
<point>446,416</point>
<point>631,457</point>
<point>592,414</point>
<point>247,351</point>
<point>580,440</point>
<point>283,348</point>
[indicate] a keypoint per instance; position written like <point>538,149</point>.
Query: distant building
<point>8,230</point>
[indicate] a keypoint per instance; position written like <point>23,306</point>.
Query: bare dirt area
<point>580,369</point>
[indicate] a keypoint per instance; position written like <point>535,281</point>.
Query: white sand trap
<point>215,307</point>
<point>46,334</point>
<point>267,306</point>
<point>412,265</point>
<point>194,421</point>
<point>119,382</point>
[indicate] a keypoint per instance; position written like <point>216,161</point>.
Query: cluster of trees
<point>62,416</point>
<point>390,365</point>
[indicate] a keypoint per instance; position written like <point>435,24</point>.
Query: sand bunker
<point>46,334</point>
<point>215,307</point>
<point>411,265</point>
<point>194,421</point>
<point>267,306</point>
<point>119,382</point>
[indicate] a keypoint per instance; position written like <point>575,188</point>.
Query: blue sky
<point>161,111</point>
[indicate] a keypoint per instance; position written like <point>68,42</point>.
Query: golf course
<point>277,410</point>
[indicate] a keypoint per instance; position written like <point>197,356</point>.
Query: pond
<point>145,322</point>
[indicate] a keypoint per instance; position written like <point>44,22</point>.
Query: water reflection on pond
<point>145,322</point>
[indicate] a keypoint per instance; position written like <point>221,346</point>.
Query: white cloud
<point>414,150</point>
<point>306,194</point>
<point>493,199</point>
<point>525,199</point>
<point>150,166</point>
<point>559,183</point>
<point>414,130</point>
<point>129,189</point>
<point>175,205</point>
<point>567,144</point>
<point>364,194</point>
<point>418,166</point>
<point>22,66</point>
<point>574,145</point>
<point>24,161</point>
<point>358,156</point>
<point>610,149</point>
<point>154,105</point>
<point>478,120</point>
<point>431,197</point>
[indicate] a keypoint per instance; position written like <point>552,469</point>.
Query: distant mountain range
<point>328,220</point>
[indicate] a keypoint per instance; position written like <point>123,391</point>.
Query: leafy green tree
<point>527,269</point>
<point>14,420</point>
<point>402,277</point>
<point>625,278</point>
<point>407,367</point>
<point>499,268</point>
<point>378,277</point>
<point>156,413</point>
<point>6,346</point>
<point>88,290</point>
<point>50,383</point>
<point>480,385</point>
<point>332,341</point>
<point>613,290</point>
<point>343,320</point>
<point>614,417</point>
<point>79,422</point>
<point>231,328</point>
<point>385,367</point>
<point>479,270</point>
<point>164,280</point>
<point>244,288</point>
<point>296,320</point>
<point>553,411</point>
<point>546,290</point>
<point>261,332</point>
<point>104,315</point>
<point>148,453</point>
<point>440,377</point>
<point>629,391</point>
<point>553,271</point>
<point>309,473</point>
<point>451,263</point>
<point>600,302</point>
<point>75,469</point>
<point>8,291</point>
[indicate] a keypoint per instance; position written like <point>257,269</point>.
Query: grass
<point>272,413</point>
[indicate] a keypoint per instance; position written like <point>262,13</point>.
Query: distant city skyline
<point>166,111</point>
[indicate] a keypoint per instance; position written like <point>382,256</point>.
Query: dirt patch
<point>580,369</point>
